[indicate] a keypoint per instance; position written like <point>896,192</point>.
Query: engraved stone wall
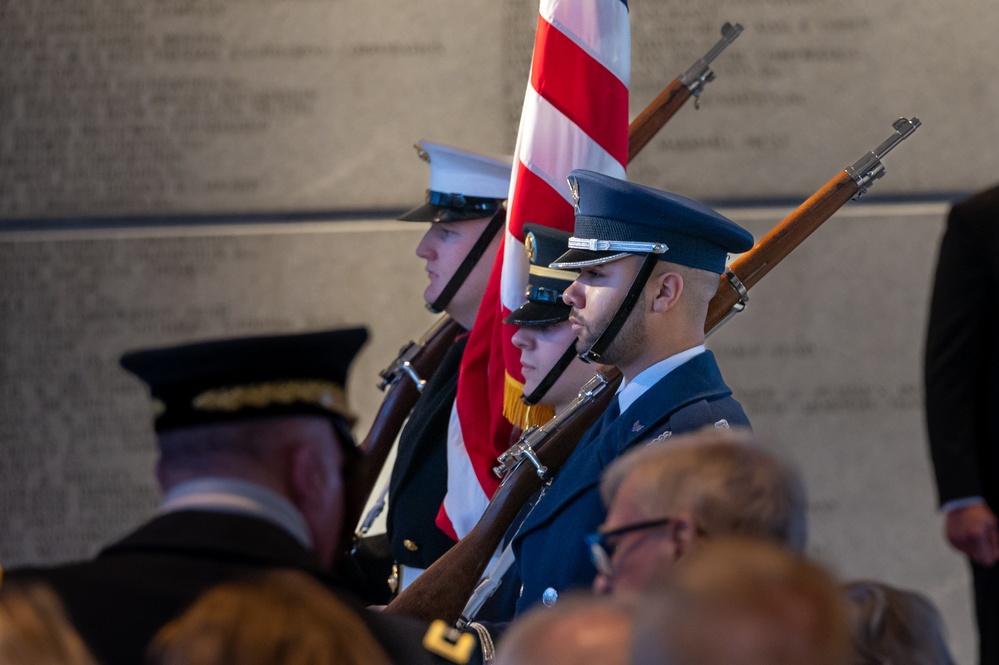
<point>209,106</point>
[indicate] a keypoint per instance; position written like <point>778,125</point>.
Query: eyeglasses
<point>603,545</point>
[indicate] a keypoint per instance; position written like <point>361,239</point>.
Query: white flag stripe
<point>549,146</point>
<point>607,39</point>
<point>465,501</point>
<point>554,145</point>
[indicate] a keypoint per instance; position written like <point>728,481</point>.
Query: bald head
<point>578,630</point>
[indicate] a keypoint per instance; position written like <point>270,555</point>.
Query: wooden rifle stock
<point>443,589</point>
<point>417,361</point>
<point>743,273</point>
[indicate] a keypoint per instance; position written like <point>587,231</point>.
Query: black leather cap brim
<point>538,314</point>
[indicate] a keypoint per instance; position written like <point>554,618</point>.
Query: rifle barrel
<point>675,95</point>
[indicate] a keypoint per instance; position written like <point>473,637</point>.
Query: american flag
<point>575,116</point>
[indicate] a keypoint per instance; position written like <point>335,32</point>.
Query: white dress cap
<point>457,171</point>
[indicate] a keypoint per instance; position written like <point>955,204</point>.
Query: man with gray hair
<point>664,499</point>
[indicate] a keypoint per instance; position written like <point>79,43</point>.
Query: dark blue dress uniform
<point>615,219</point>
<point>551,555</point>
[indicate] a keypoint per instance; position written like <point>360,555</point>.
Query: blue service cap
<point>464,185</point>
<point>545,286</point>
<point>615,218</point>
<point>227,380</point>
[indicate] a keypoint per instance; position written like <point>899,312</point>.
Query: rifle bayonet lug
<point>869,168</point>
<point>700,74</point>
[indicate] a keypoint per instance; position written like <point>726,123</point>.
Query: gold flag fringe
<point>520,414</point>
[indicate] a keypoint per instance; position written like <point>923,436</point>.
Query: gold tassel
<point>520,414</point>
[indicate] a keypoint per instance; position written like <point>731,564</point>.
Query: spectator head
<point>281,618</point>
<point>666,499</point>
<point>743,601</point>
<point>892,625</point>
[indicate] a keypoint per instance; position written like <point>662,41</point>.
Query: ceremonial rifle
<point>689,84</point>
<point>416,360</point>
<point>442,590</point>
<point>402,382</point>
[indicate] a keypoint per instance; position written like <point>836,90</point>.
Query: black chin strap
<point>594,353</point>
<point>551,377</point>
<point>474,254</point>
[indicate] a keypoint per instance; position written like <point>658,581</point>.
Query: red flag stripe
<point>476,405</point>
<point>569,77</point>
<point>537,202</point>
<point>575,116</point>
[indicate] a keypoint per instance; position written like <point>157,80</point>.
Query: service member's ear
<point>305,476</point>
<point>667,288</point>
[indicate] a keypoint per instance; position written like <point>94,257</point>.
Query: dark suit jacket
<point>120,599</point>
<point>962,354</point>
<point>419,477</point>
<point>549,548</point>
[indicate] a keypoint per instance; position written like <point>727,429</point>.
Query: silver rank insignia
<point>574,188</point>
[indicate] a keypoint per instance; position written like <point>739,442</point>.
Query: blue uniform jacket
<point>549,548</point>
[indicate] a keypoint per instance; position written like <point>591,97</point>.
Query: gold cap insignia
<point>421,153</point>
<point>530,246</point>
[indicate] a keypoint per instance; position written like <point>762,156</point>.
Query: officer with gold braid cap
<point>254,444</point>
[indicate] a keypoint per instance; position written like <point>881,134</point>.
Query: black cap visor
<point>452,208</point>
<point>535,314</point>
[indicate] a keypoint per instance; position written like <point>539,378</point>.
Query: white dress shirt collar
<point>632,390</point>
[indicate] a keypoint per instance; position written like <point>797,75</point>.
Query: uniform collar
<point>228,495</point>
<point>632,390</point>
